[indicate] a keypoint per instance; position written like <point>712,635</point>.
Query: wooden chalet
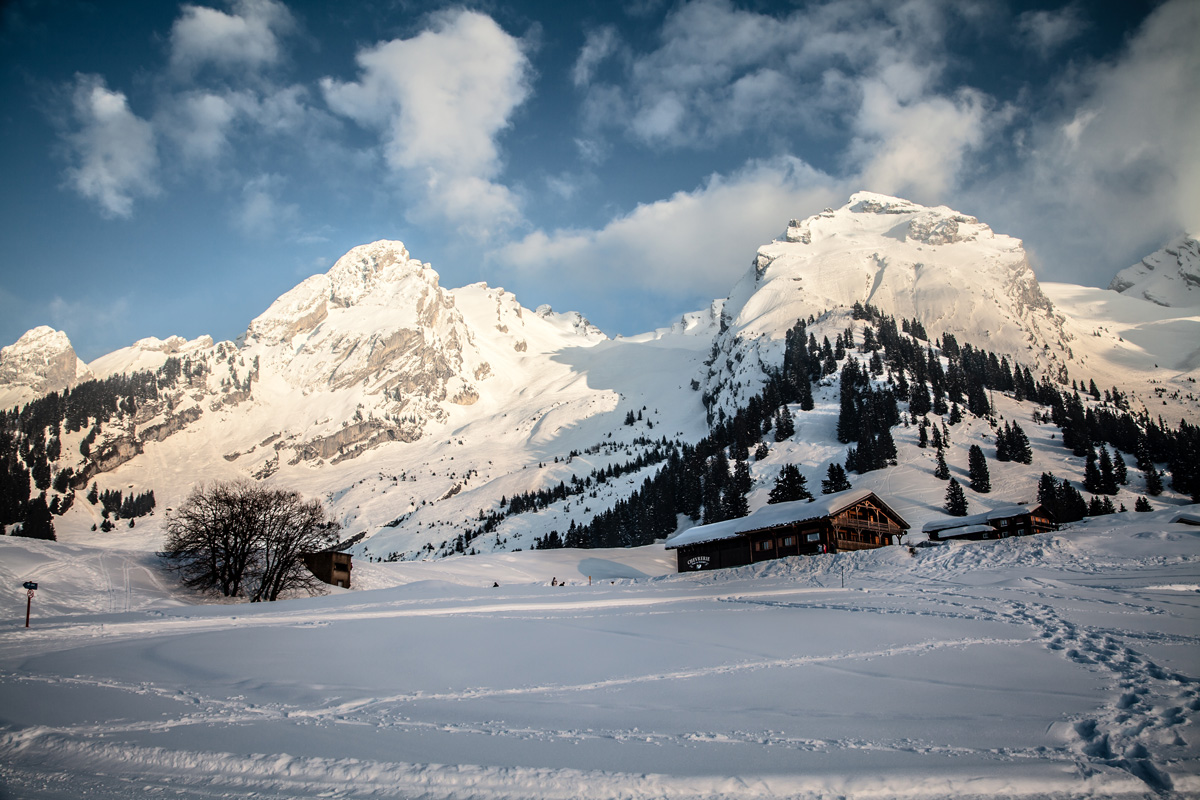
<point>853,520</point>
<point>330,567</point>
<point>999,523</point>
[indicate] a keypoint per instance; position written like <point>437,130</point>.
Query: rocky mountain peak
<point>366,267</point>
<point>1169,277</point>
<point>41,361</point>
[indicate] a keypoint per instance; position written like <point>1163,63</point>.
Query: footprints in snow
<point>1142,731</point>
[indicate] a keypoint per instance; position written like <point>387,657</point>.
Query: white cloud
<point>915,149</point>
<point>1047,30</point>
<point>198,122</point>
<point>695,242</point>
<point>261,213</point>
<point>113,150</point>
<point>249,37</point>
<point>599,45</point>
<point>1117,171</point>
<point>439,100</point>
<point>722,72</point>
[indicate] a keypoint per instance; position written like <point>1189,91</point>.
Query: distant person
<point>554,581</point>
<point>495,585</point>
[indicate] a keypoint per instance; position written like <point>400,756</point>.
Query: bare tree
<point>292,527</point>
<point>239,538</point>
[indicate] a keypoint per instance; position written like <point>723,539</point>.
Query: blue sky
<point>173,168</point>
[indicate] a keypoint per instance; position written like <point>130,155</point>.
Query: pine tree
<point>941,471</point>
<point>733,503</point>
<point>885,448</point>
<point>789,486</point>
<point>1071,502</point>
<point>1003,443</point>
<point>835,480</point>
<point>1120,471</point>
<point>38,521</point>
<point>977,470</point>
<point>1047,493</point>
<point>956,500</point>
<point>784,427</point>
<point>937,438</point>
<point>1154,484</point>
<point>1093,481</point>
<point>918,399</point>
<point>1142,504</point>
<point>1018,445</point>
<point>849,415</point>
<point>733,500</point>
<point>1108,480</point>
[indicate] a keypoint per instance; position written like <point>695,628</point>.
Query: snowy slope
<point>1135,332</point>
<point>149,354</point>
<point>1062,665</point>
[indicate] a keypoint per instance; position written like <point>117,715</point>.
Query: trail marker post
<point>31,587</point>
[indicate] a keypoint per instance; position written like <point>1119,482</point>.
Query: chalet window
<point>789,541</point>
<point>813,537</point>
<point>764,545</point>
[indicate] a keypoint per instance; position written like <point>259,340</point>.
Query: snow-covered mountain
<point>947,270</point>
<point>41,361</point>
<point>416,411</point>
<point>1169,277</point>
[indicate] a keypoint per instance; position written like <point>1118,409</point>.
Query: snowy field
<point>1062,665</point>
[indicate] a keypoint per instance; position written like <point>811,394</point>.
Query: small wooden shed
<point>854,520</point>
<point>999,523</point>
<point>330,566</point>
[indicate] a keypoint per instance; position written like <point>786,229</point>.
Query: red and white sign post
<point>31,587</point>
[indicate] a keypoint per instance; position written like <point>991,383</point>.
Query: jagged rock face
<point>946,269</point>
<point>1169,277</point>
<point>378,330</point>
<point>377,319</point>
<point>41,361</point>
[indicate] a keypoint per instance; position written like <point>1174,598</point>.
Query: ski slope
<point>1062,665</point>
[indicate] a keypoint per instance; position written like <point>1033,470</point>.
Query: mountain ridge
<point>415,411</point>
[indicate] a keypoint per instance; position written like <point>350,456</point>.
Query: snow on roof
<point>1189,517</point>
<point>1003,512</point>
<point>965,530</point>
<point>772,516</point>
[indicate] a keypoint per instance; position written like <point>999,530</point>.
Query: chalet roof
<point>773,516</point>
<point>1003,512</point>
<point>965,530</point>
<point>1188,517</point>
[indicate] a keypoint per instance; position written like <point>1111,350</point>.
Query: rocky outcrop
<point>172,424</point>
<point>41,361</point>
<point>938,229</point>
<point>353,440</point>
